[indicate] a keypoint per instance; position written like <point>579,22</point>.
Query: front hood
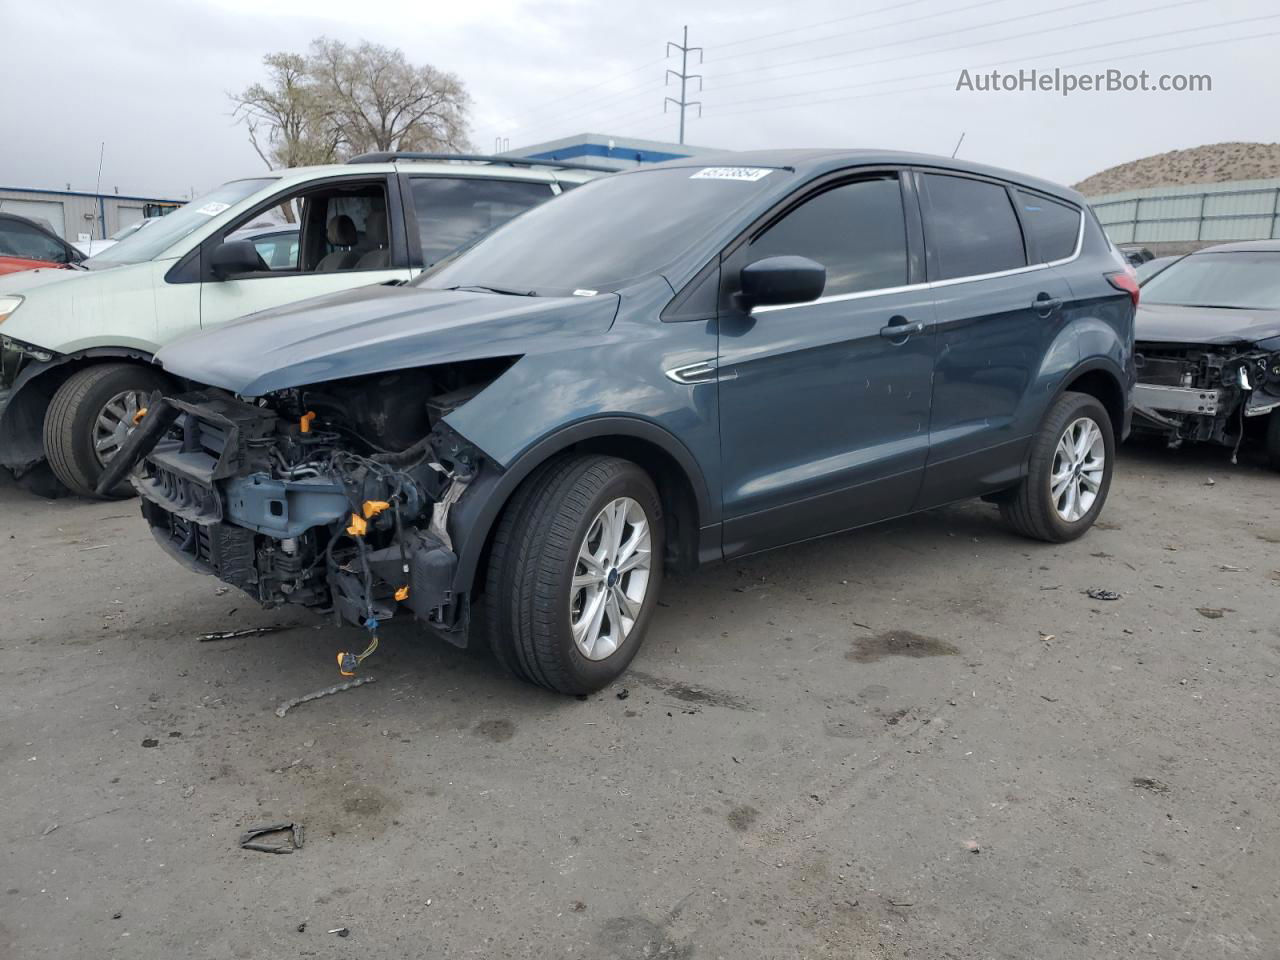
<point>1165,323</point>
<point>377,329</point>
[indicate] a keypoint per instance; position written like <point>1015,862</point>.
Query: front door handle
<point>1046,304</point>
<point>899,328</point>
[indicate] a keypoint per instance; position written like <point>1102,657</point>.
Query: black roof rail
<point>387,156</point>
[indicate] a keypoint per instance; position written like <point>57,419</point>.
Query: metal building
<point>602,149</point>
<point>81,216</point>
<point>1180,219</point>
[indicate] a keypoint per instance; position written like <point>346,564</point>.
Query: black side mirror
<point>235,257</point>
<point>779,280</point>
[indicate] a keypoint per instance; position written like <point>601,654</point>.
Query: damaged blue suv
<point>673,365</point>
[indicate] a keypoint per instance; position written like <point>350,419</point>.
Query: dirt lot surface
<point>919,740</point>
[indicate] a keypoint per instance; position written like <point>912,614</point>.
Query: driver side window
<point>321,229</point>
<point>856,230</point>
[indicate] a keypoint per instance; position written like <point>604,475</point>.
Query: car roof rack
<point>389,155</point>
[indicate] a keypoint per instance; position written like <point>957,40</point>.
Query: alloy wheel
<point>1079,465</point>
<point>610,578</point>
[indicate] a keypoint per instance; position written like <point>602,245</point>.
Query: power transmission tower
<point>684,76</point>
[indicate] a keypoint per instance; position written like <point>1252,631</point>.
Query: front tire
<point>574,573</point>
<point>1069,475</point>
<point>88,419</point>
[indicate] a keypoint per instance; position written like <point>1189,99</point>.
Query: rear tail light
<point>1127,281</point>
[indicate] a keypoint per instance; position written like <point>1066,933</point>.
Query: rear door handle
<point>1046,304</point>
<point>899,328</point>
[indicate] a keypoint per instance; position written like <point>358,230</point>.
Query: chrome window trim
<point>933,284</point>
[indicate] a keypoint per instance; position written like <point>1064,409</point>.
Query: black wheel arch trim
<point>1112,369</point>
<point>474,515</point>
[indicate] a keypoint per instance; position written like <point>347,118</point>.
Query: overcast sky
<point>150,77</point>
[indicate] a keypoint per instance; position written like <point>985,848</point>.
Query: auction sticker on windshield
<point>213,208</point>
<point>750,174</point>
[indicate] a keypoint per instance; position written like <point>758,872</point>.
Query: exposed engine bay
<point>334,496</point>
<point>1199,392</point>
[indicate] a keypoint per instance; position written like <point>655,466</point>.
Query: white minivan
<point>76,345</point>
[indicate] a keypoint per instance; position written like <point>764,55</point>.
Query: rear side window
<point>857,231</point>
<point>971,227</point>
<point>1053,228</point>
<point>453,211</point>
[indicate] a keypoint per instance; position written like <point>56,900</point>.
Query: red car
<point>25,245</point>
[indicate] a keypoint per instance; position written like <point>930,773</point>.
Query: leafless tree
<point>289,121</point>
<point>381,101</point>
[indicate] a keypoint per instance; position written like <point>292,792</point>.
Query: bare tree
<point>380,101</point>
<point>289,122</point>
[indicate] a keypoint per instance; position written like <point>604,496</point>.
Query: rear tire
<point>567,608</point>
<point>1069,474</point>
<point>88,419</point>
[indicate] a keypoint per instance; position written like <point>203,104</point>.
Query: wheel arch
<point>22,421</point>
<point>685,497</point>
<point>1101,379</point>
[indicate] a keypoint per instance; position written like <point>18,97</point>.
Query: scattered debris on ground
<point>247,632</point>
<point>1213,613</point>
<point>1151,784</point>
<point>623,693</point>
<point>326,692</point>
<point>972,846</point>
<point>341,931</point>
<point>150,742</point>
<point>1097,593</point>
<point>249,841</point>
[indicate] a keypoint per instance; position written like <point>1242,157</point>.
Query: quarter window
<point>1053,227</point>
<point>453,211</point>
<point>971,227</point>
<point>856,230</point>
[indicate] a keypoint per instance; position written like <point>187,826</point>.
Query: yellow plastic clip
<point>403,593</point>
<point>359,526</point>
<point>137,417</point>
<point>347,663</point>
<point>304,422</point>
<point>374,507</point>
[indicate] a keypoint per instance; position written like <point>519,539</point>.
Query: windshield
<point>606,233</point>
<point>148,244</point>
<point>1244,280</point>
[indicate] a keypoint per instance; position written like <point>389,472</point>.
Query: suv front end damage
<point>1203,392</point>
<point>315,496</point>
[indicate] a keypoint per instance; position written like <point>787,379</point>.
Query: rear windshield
<point>1241,280</point>
<point>158,237</point>
<point>609,232</point>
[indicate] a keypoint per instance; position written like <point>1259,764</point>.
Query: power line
<point>976,43</point>
<point>820,23</point>
<point>1083,63</point>
<point>947,33</point>
<point>879,26</point>
<point>684,76</point>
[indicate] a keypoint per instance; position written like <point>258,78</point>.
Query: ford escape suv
<point>673,365</point>
<point>76,346</point>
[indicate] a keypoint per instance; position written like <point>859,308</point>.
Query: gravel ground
<point>923,740</point>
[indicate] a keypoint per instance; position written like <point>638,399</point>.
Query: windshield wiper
<point>505,291</point>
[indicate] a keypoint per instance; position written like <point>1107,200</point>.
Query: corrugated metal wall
<point>73,214</point>
<point>1184,218</point>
